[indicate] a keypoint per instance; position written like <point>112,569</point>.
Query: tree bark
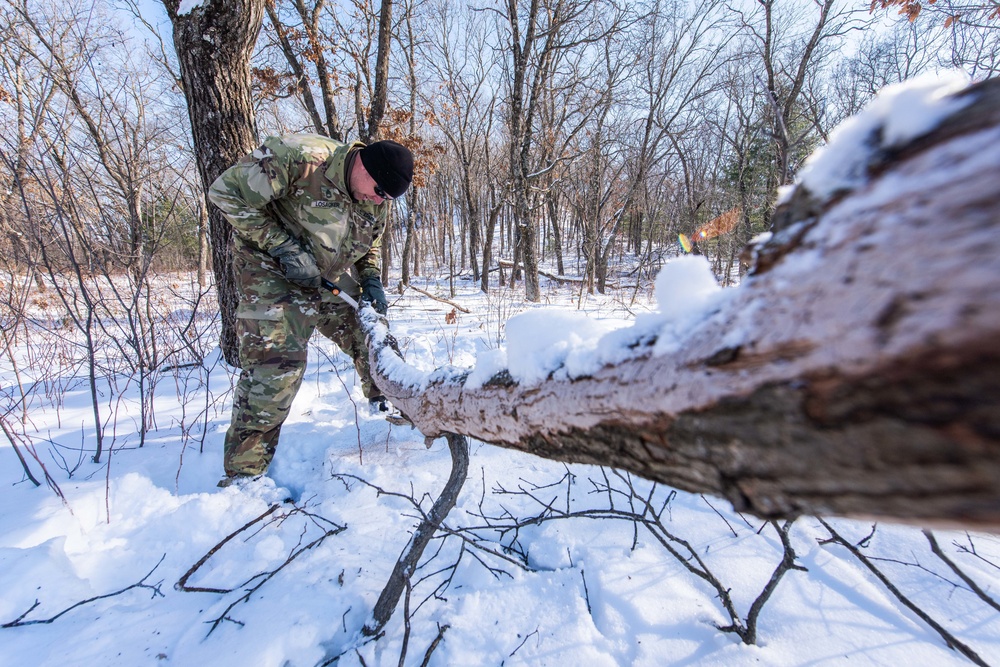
<point>214,43</point>
<point>855,372</point>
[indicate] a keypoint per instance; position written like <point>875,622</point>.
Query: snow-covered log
<point>856,370</point>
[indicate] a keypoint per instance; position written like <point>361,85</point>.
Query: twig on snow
<point>950,640</point>
<point>961,573</point>
<point>20,622</point>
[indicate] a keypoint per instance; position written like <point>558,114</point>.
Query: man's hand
<point>372,291</point>
<point>297,264</point>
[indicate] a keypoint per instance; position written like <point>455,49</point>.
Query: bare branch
<point>155,588</point>
<point>949,639</point>
<point>408,560</point>
<point>983,595</point>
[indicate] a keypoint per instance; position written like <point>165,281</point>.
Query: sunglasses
<point>377,189</point>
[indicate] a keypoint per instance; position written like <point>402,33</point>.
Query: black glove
<point>371,291</point>
<point>297,264</point>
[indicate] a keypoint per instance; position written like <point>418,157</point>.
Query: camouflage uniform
<point>291,187</point>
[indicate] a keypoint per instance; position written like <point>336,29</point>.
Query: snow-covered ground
<point>589,589</point>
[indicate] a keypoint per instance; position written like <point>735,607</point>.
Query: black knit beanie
<point>390,164</point>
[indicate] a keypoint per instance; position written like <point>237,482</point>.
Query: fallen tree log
<point>507,264</point>
<point>856,371</point>
<point>458,307</point>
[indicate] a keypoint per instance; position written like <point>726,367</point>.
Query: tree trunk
<point>203,249</point>
<point>377,110</point>
<point>491,227</point>
<point>214,42</point>
<point>553,202</point>
<point>854,372</point>
<point>410,241</point>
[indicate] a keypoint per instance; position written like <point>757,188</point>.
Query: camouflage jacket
<point>295,186</point>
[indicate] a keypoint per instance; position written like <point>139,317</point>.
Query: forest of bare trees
<point>579,136</point>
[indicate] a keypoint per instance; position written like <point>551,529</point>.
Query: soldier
<point>303,208</point>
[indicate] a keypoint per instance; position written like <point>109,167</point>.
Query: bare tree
<point>464,110</point>
<point>364,36</point>
<point>300,56</point>
<point>377,108</point>
<point>538,35</point>
<point>883,58</point>
<point>789,51</point>
<point>88,196</point>
<point>29,91</point>
<point>678,53</point>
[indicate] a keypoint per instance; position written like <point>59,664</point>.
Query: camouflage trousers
<point>275,320</point>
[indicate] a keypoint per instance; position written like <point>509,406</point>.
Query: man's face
<point>362,185</point>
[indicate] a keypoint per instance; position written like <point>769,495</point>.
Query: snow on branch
<point>855,371</point>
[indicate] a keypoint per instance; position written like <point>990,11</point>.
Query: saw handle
<point>336,291</point>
